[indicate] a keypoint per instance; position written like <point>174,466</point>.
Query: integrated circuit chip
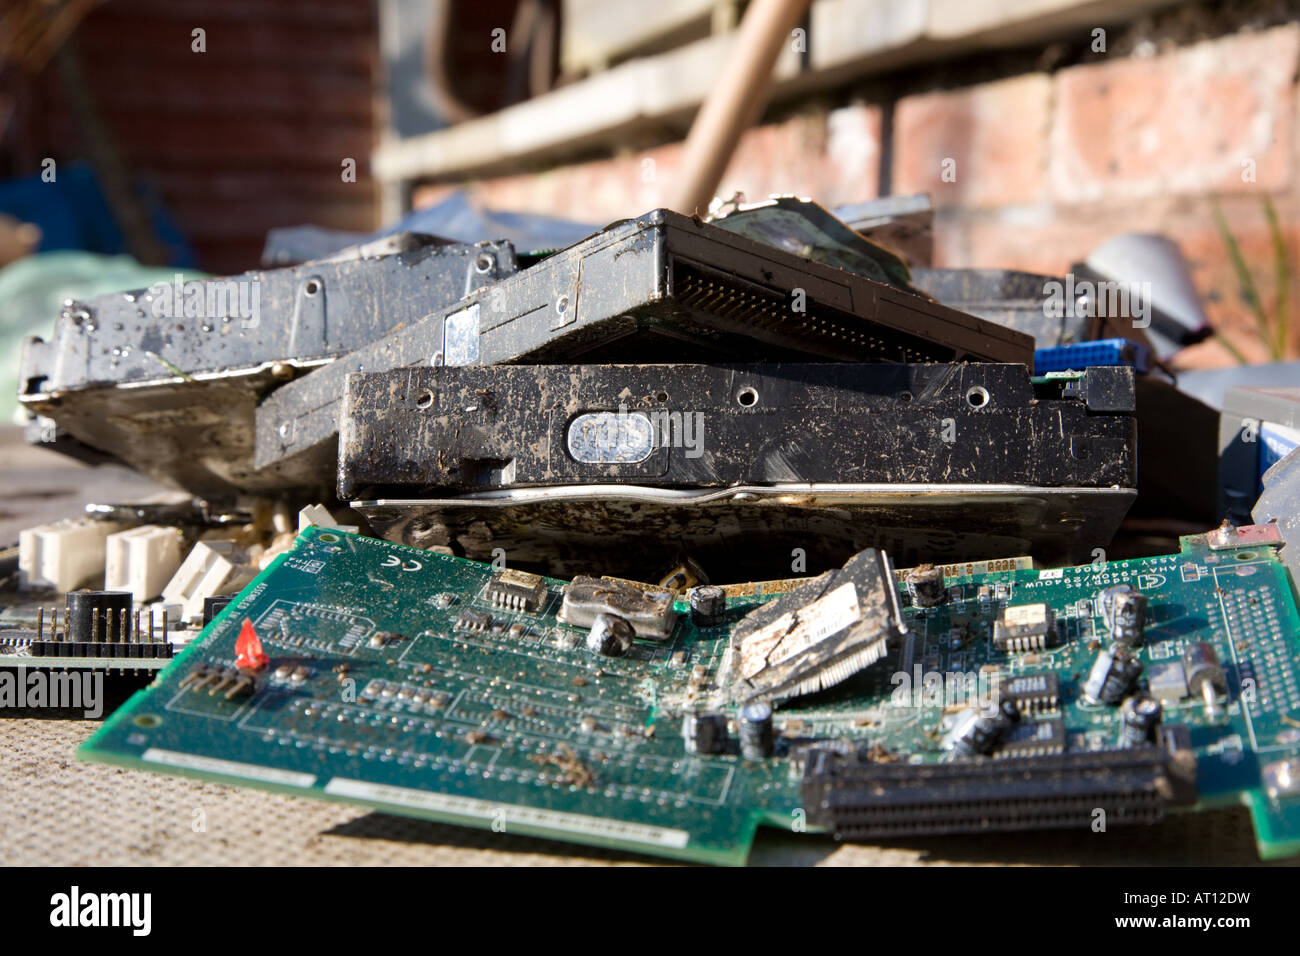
<point>1031,693</point>
<point>819,635</point>
<point>1027,627</point>
<point>516,590</point>
<point>1034,738</point>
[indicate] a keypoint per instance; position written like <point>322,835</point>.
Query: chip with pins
<point>818,635</point>
<point>516,590</point>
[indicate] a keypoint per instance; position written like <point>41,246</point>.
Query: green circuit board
<point>377,694</point>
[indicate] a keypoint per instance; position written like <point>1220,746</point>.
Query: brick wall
<point>1040,167</point>
<point>243,137</point>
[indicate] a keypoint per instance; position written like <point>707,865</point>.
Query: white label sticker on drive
<point>460,337</point>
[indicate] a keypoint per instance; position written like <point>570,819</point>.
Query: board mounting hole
<point>1245,555</point>
<point>312,287</point>
<point>424,399</point>
<point>147,720</point>
<point>329,538</point>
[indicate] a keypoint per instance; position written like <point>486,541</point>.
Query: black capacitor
<point>926,586</point>
<point>757,739</point>
<point>98,615</point>
<point>1113,673</point>
<point>977,732</point>
<point>212,606</point>
<point>1141,714</point>
<point>1128,618</point>
<point>1106,602</point>
<point>610,635</point>
<point>1204,674</point>
<point>708,605</point>
<point>705,733</point>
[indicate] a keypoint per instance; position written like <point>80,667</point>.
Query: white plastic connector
<point>64,555</point>
<point>142,560</point>
<point>319,516</point>
<point>211,568</point>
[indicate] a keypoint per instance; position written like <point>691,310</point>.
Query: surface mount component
<point>660,288</point>
<point>516,718</point>
<point>167,378</point>
<point>739,464</point>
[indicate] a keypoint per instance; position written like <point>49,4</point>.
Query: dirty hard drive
<point>738,464</point>
<point>664,288</point>
<point>167,378</point>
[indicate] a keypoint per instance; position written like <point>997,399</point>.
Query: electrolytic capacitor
<point>708,605</point>
<point>1113,673</point>
<point>1141,715</point>
<point>926,586</point>
<point>978,731</point>
<point>610,635</point>
<point>755,727</point>
<point>1128,618</point>
<point>1204,675</point>
<point>705,733</point>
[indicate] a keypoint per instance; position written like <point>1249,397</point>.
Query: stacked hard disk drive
<point>737,399</point>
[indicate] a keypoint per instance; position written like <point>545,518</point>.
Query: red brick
<point>996,133</point>
<point>1177,123</point>
<point>834,158</point>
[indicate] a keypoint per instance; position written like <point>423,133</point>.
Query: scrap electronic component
<point>754,724</point>
<point>1124,610</point>
<point>663,720</point>
<point>97,630</point>
<point>1033,738</point>
<point>1167,680</point>
<point>650,613</point>
<point>1031,693</point>
<point>176,398</point>
<point>978,730</point>
<point>610,635</point>
<point>818,635</point>
<point>664,287</point>
<point>1205,677</point>
<point>1028,627</point>
<point>926,586</point>
<point>1141,715</point>
<point>862,800</point>
<point>705,733</point>
<point>938,462</point>
<point>1113,674</point>
<point>708,605</point>
<point>516,590</point>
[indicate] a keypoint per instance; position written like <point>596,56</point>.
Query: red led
<point>248,648</point>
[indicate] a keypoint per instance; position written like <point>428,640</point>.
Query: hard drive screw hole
<point>747,397</point>
<point>977,397</point>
